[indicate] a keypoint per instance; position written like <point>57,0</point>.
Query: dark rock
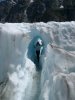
<point>35,11</point>
<point>13,11</point>
<point>5,7</point>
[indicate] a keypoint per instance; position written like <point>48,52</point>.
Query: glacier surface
<point>19,79</point>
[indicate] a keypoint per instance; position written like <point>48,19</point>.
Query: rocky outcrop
<point>37,10</point>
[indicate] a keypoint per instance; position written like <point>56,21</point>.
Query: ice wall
<point>19,79</point>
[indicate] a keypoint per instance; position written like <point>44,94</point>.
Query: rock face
<point>37,10</point>
<point>5,7</point>
<point>13,11</point>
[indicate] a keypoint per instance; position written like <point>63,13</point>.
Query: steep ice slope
<point>19,79</point>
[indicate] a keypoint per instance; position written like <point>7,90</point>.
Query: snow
<point>61,6</point>
<point>19,79</point>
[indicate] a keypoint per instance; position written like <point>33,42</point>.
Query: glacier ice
<point>19,79</point>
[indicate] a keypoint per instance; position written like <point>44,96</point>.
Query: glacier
<point>19,79</point>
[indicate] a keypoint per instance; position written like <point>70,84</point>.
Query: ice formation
<point>19,79</point>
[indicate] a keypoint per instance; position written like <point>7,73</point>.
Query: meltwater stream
<point>19,77</point>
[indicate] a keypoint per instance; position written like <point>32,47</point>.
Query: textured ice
<point>19,79</point>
